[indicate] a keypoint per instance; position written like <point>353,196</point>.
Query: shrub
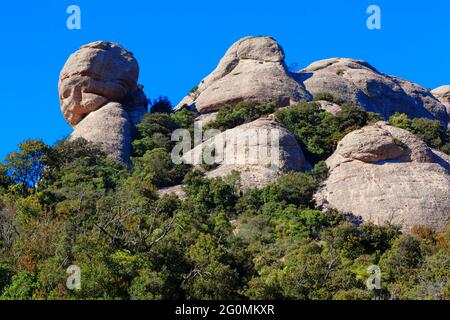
<point>231,116</point>
<point>155,130</point>
<point>430,131</point>
<point>327,97</point>
<point>161,105</point>
<point>26,165</point>
<point>21,288</point>
<point>294,188</point>
<point>318,131</point>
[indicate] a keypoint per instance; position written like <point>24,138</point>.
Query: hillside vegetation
<point>69,204</point>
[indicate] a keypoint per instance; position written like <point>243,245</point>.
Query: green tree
<point>22,287</point>
<point>404,256</point>
<point>161,105</point>
<point>319,131</point>
<point>26,166</point>
<point>294,188</point>
<point>211,277</point>
<point>5,179</point>
<point>232,116</point>
<point>430,131</point>
<point>158,165</point>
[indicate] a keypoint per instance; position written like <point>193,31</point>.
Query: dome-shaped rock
<point>252,70</point>
<point>110,129</point>
<point>260,150</point>
<point>98,73</point>
<point>386,174</point>
<point>443,94</point>
<point>357,82</point>
<point>100,98</point>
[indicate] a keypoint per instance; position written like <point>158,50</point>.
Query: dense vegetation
<point>70,205</point>
<point>430,131</point>
<point>319,131</point>
<point>232,116</point>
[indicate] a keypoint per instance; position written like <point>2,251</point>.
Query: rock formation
<point>357,82</point>
<point>260,150</point>
<point>110,128</point>
<point>252,70</point>
<point>100,98</point>
<point>380,173</point>
<point>443,94</point>
<point>386,174</point>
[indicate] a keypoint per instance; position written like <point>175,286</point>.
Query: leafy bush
<point>26,165</point>
<point>155,130</point>
<point>319,131</point>
<point>22,287</point>
<point>430,131</point>
<point>231,116</point>
<point>218,242</point>
<point>161,105</point>
<point>157,165</point>
<point>327,97</point>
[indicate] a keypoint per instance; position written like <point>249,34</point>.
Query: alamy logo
<point>374,280</point>
<point>74,280</point>
<point>74,20</point>
<point>239,146</point>
<point>374,20</point>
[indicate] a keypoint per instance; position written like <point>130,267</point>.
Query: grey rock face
<point>328,106</point>
<point>99,78</point>
<point>205,118</point>
<point>443,94</point>
<point>110,128</point>
<point>386,174</point>
<point>98,73</point>
<point>248,149</point>
<point>252,70</point>
<point>357,82</point>
<point>175,190</point>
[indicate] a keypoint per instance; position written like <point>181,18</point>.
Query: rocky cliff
<point>381,173</point>
<point>252,70</point>
<point>386,174</point>
<point>100,98</point>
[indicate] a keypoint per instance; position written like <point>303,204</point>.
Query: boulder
<point>206,118</point>
<point>174,190</point>
<point>100,98</point>
<point>98,73</point>
<point>252,70</point>
<point>329,106</point>
<point>261,151</point>
<point>443,94</point>
<point>110,129</point>
<point>386,174</point>
<point>357,82</point>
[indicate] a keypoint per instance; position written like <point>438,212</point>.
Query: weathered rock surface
<point>203,119</point>
<point>357,82</point>
<point>260,150</point>
<point>175,190</point>
<point>98,73</point>
<point>386,174</point>
<point>252,70</point>
<point>100,98</point>
<point>443,94</point>
<point>328,106</point>
<point>110,128</point>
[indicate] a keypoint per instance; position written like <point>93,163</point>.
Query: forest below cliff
<point>69,204</point>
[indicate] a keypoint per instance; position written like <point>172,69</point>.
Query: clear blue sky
<point>177,43</point>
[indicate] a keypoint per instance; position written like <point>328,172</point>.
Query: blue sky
<point>177,43</point>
